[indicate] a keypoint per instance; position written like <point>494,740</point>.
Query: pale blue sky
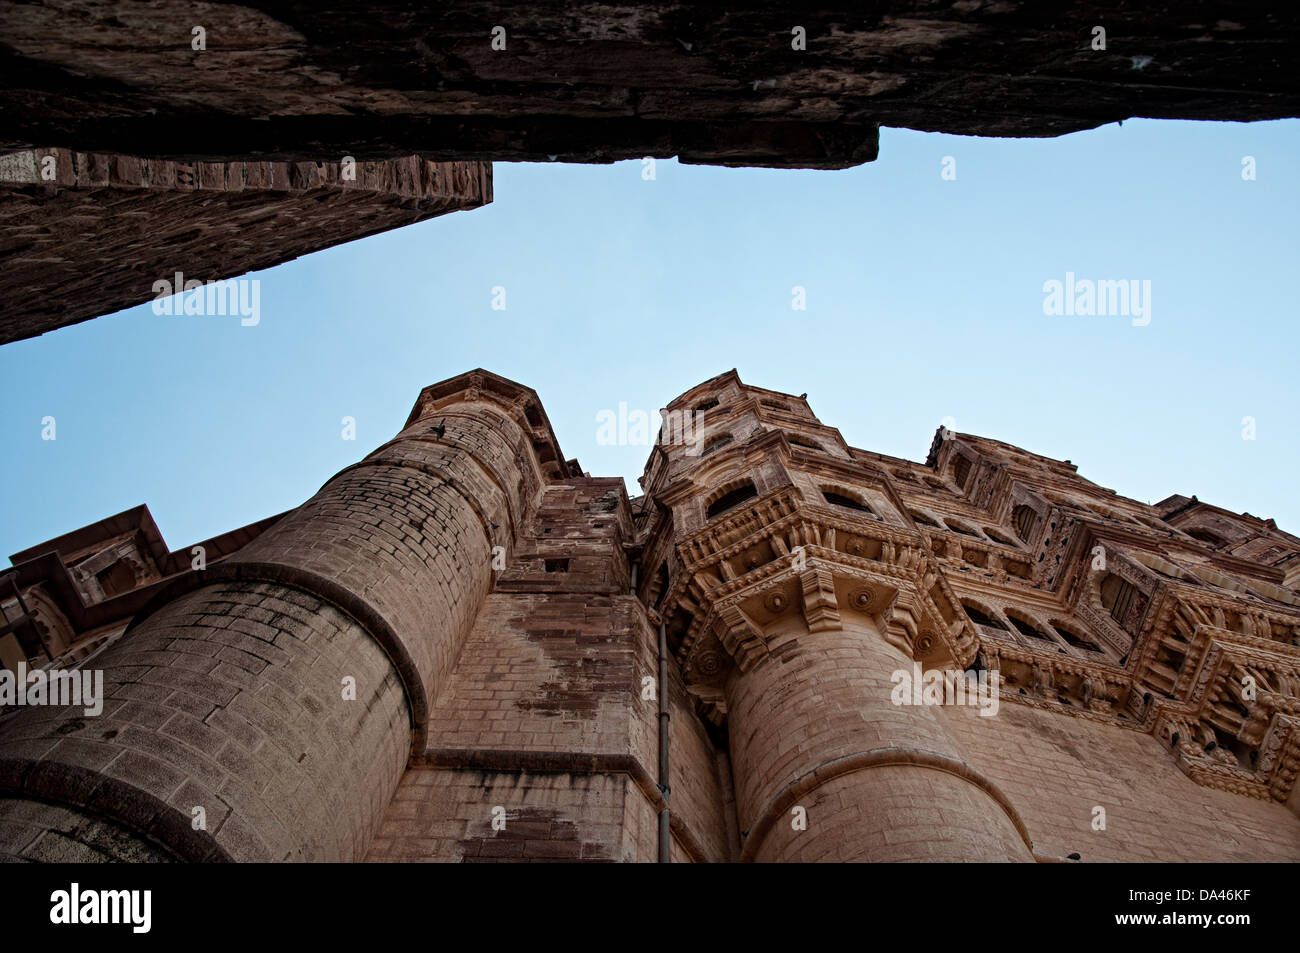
<point>924,300</point>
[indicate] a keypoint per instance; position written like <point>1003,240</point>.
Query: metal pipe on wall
<point>665,836</point>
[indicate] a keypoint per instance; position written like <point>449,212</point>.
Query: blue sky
<point>924,301</point>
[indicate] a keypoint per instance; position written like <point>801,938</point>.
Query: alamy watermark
<point>230,296</point>
<point>1085,297</point>
<point>946,687</point>
<point>58,688</point>
<point>129,907</point>
<point>631,428</point>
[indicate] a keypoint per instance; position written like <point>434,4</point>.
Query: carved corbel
<point>1095,693</point>
<point>1259,717</point>
<point>901,626</point>
<point>1044,682</point>
<point>820,608</point>
<point>991,656</point>
<point>738,634</point>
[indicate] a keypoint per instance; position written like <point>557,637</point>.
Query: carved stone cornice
<point>922,614</point>
<point>1180,667</point>
<point>1264,719</point>
<point>1066,684</point>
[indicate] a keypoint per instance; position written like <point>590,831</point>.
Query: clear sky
<point>925,300</point>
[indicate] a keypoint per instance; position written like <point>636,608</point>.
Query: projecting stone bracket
<point>840,567</point>
<point>1087,690</point>
<point>738,634</point>
<point>821,609</point>
<point>710,701</point>
<point>902,626</point>
<point>907,620</point>
<point>1197,755</point>
<point>1272,729</point>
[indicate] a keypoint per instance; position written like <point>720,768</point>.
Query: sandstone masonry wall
<point>1056,768</point>
<point>233,696</point>
<point>822,700</point>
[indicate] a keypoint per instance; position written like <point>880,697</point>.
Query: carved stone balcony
<point>748,569</point>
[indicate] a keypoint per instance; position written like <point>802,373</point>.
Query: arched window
<point>848,502</point>
<point>1205,536</point>
<point>979,617</point>
<point>1027,628</point>
<point>1117,596</point>
<point>957,527</point>
<point>1023,519</point>
<point>713,443</point>
<point>800,442</point>
<point>731,498</point>
<point>960,470</point>
<point>1076,640</point>
<point>707,405</point>
<point>923,519</point>
<point>116,579</point>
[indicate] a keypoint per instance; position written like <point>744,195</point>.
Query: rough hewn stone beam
<point>87,234</point>
<point>595,82</point>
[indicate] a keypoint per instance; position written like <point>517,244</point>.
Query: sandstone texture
<point>86,234</point>
<point>595,82</point>
<point>450,653</point>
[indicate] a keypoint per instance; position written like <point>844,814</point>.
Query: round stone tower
<point>798,595</point>
<point>265,707</point>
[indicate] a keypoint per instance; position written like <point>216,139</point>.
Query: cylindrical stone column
<point>278,694</point>
<point>813,726</point>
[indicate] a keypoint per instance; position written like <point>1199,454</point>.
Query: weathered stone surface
<point>480,589</point>
<point>97,235</point>
<point>219,160</point>
<point>594,82</point>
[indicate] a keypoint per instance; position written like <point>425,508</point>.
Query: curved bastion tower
<point>795,587</point>
<point>464,648</point>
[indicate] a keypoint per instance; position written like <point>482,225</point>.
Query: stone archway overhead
<point>783,85</point>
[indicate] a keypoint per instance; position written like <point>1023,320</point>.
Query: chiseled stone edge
<point>92,792</point>
<point>875,758</point>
